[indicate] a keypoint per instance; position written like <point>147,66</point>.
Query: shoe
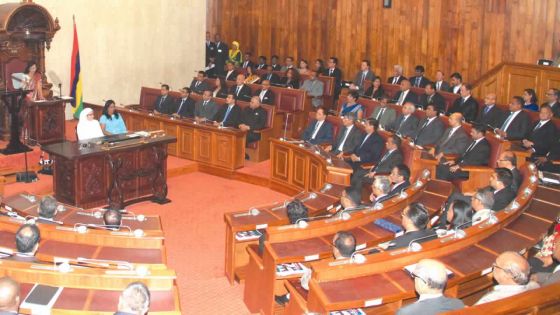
<point>247,156</point>
<point>281,299</point>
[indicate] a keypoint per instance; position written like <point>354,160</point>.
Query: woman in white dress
<point>88,126</point>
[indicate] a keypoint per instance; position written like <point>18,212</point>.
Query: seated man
<point>490,115</point>
<point>348,139</point>
<point>9,296</point>
<point>383,114</point>
<point>430,278</point>
<point>500,181</point>
<point>164,102</point>
<point>508,159</point>
<point>432,97</point>
<point>198,85</point>
<point>553,100</point>
<point>400,179</point>
<point>265,94</point>
<point>319,131</point>
<point>253,119</point>
<point>405,95</point>
<point>466,104</point>
<point>184,106</point>
<point>456,82</point>
<point>392,157</point>
<point>231,73</point>
<point>295,211</point>
<point>454,140</point>
<point>546,278</point>
<point>476,154</point>
<point>511,272</point>
<point>228,115</point>
<point>415,218</point>
<point>380,190</point>
<point>419,80</point>
<point>134,300</point>
<point>430,128</point>
<point>482,202</point>
<point>543,133</point>
<point>112,219</point>
<point>371,147</point>
<point>365,74</point>
<point>270,75</point>
<point>47,210</point>
<point>206,108</point>
<point>545,163</point>
<point>517,123</point>
<point>241,91</point>
<point>406,124</point>
<point>314,88</point>
<point>397,75</point>
<point>27,242</point>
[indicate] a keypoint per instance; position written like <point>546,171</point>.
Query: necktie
<point>430,98</point>
<point>365,139</point>
<point>395,80</point>
<point>346,132</point>
<point>330,72</point>
<point>448,137</point>
<point>263,92</point>
<point>197,83</point>
<point>363,78</point>
<point>180,106</point>
<point>314,134</point>
<point>418,81</point>
<point>385,156</point>
<point>508,120</point>
<point>237,91</point>
<point>380,114</point>
<point>204,103</point>
<point>227,114</point>
<point>402,122</point>
<point>470,147</point>
<point>269,76</point>
<point>538,125</point>
<point>422,128</point>
<point>401,98</point>
<point>486,110</point>
<point>438,86</point>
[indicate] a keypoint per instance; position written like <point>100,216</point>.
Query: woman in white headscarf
<point>88,127</point>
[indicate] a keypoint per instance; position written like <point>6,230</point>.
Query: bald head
<point>456,119</point>
<point>431,277</point>
<point>9,295</point>
<point>511,269</point>
<point>135,299</point>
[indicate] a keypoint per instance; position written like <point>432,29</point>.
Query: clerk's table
<point>114,170</point>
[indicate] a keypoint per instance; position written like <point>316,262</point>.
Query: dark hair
<point>462,213</point>
<point>320,61</point>
<point>248,53</point>
<point>403,171</point>
<point>504,175</point>
<point>112,218</point>
<point>47,207</point>
<point>373,122</point>
<point>418,215</point>
<point>29,65</point>
<point>533,95</point>
<point>468,86</point>
<point>519,100</point>
<point>420,68</point>
<point>325,111</point>
<point>480,128</point>
<point>274,57</point>
<point>354,195</point>
<point>27,236</point>
<point>367,62</point>
<point>290,57</point>
<point>457,76</point>
<point>202,72</point>
<point>304,61</point>
<point>432,105</point>
<point>396,140</point>
<point>165,86</point>
<point>234,96</point>
<point>405,80</point>
<point>334,59</point>
<point>511,157</point>
<point>556,92</point>
<point>431,85</point>
<point>188,89</point>
<point>106,110</point>
<point>296,210</point>
<point>262,58</point>
<point>354,94</point>
<point>345,243</point>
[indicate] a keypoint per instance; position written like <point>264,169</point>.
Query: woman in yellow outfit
<point>235,55</point>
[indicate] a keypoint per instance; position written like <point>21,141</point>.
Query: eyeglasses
<point>417,276</point>
<point>494,266</point>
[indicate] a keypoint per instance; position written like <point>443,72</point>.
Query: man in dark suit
<point>210,48</point>
<point>397,75</point>
<point>206,108</point>
<point>270,75</point>
<point>241,91</point>
<point>371,147</point>
<point>405,94</point>
<point>228,115</point>
<point>348,139</point>
<point>476,154</point>
<point>334,71</point>
<point>288,64</point>
<point>430,278</point>
<point>430,128</point>
<point>265,94</point>
<point>164,102</point>
<point>10,297</point>
<point>135,299</point>
<point>508,159</point>
<point>553,100</point>
<point>501,181</point>
<point>231,73</point>
<point>319,131</point>
<point>28,237</point>
<point>456,81</point>
<point>546,163</point>
<point>253,118</point>
<point>262,63</point>
<point>247,62</point>
<point>406,124</point>
<point>440,84</point>
<point>365,74</point>
<point>274,63</point>
<point>222,54</point>
<point>184,106</point>
<point>419,80</point>
<point>490,115</point>
<point>454,140</point>
<point>543,133</point>
<point>380,190</point>
<point>517,124</point>
<point>432,97</point>
<point>466,104</point>
<point>400,179</point>
<point>198,85</point>
<point>384,114</point>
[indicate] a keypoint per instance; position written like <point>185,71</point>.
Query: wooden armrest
<point>480,169</point>
<point>451,157</point>
<point>555,162</point>
<point>254,256</point>
<point>262,130</point>
<point>367,165</point>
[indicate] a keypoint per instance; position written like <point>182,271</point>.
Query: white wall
<point>126,44</point>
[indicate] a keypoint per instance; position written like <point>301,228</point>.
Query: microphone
<point>413,246</point>
<point>326,188</point>
<point>355,258</point>
<point>286,125</point>
<point>315,217</point>
<point>121,264</point>
<point>458,233</point>
<point>300,224</point>
<point>252,212</point>
<point>92,213</point>
<point>282,206</point>
<point>492,219</point>
<point>139,217</point>
<point>342,215</point>
<point>311,196</point>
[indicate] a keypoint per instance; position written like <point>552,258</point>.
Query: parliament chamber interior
<point>315,157</point>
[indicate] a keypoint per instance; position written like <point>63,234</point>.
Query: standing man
<point>466,104</point>
<point>334,71</point>
<point>222,54</point>
<point>210,48</point>
<point>365,74</point>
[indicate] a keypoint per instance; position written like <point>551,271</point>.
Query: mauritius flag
<point>76,77</point>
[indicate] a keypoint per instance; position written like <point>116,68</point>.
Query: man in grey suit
<point>430,278</point>
<point>348,138</point>
<point>455,139</point>
<point>407,123</point>
<point>205,109</point>
<point>383,114</point>
<point>364,74</point>
<point>314,87</point>
<point>440,84</point>
<point>430,128</point>
<point>198,85</point>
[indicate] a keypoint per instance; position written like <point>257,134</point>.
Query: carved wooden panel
<point>518,80</point>
<point>224,150</point>
<point>92,179</point>
<point>186,140</point>
<point>299,170</point>
<point>203,146</point>
<point>64,179</point>
<point>150,124</point>
<point>316,177</point>
<point>280,160</point>
<point>549,80</point>
<point>147,164</point>
<point>172,130</point>
<point>126,183</point>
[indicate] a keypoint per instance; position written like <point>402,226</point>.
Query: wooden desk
<point>46,121</point>
<point>88,175</point>
<point>296,167</point>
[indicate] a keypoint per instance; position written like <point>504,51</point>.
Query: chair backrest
<point>391,89</point>
<point>497,146</point>
<point>149,95</point>
<point>449,98</point>
<point>336,122</point>
<point>14,65</point>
